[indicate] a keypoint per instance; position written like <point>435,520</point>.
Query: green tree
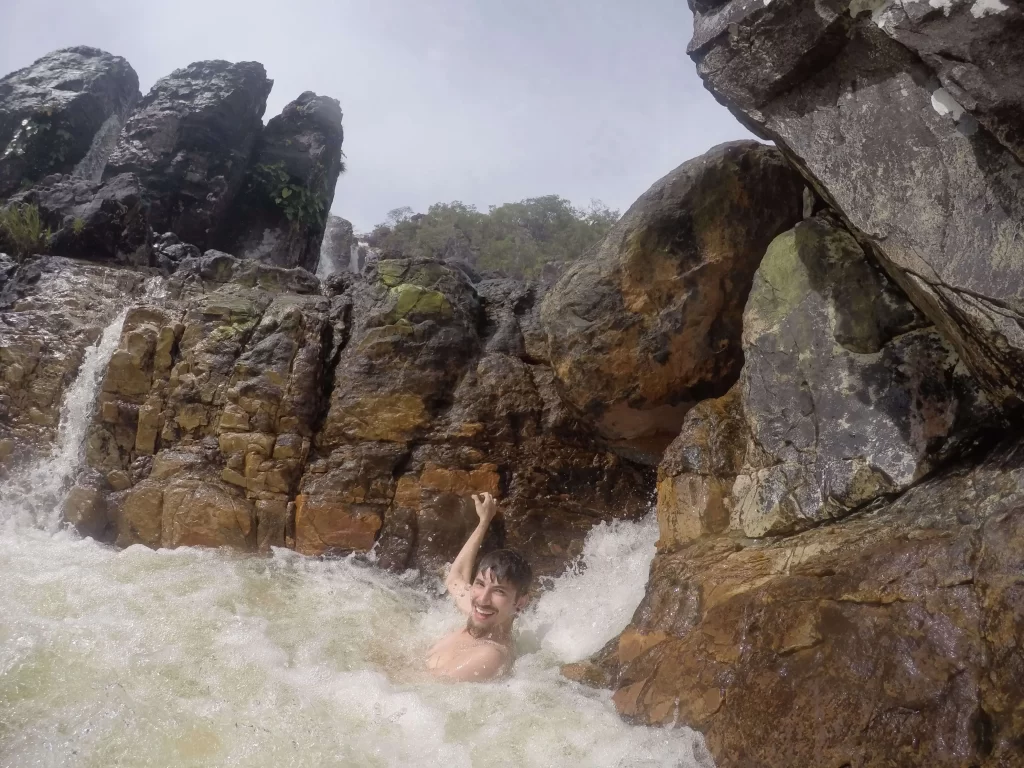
<point>515,238</point>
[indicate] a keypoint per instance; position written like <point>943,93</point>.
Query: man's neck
<point>502,634</point>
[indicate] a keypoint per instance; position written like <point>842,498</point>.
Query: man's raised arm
<point>460,577</point>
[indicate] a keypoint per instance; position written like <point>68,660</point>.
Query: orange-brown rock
<point>650,322</point>
<point>323,526</point>
<point>892,638</point>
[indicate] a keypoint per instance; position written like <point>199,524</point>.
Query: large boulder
<point>189,142</point>
<point>893,638</point>
<point>907,117</point>
<point>98,221</point>
<point>59,113</point>
<point>847,395</point>
<point>280,216</point>
<point>649,323</point>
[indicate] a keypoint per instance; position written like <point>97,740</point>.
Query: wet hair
<point>508,567</point>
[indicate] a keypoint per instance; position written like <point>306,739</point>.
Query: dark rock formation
<point>106,221</point>
<point>280,216</point>
<point>189,142</point>
<point>650,322</point>
<point>907,116</point>
<point>891,639</point>
<point>52,113</point>
<point>847,395</point>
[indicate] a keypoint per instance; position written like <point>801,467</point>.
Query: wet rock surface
<point>52,111</point>
<point>189,141</point>
<point>280,215</point>
<point>51,309</point>
<point>99,221</point>
<point>906,116</point>
<point>650,323</point>
<point>891,639</point>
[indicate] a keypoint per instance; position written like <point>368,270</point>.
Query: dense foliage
<point>22,232</point>
<point>515,238</point>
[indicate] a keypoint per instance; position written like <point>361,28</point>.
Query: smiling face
<point>494,603</point>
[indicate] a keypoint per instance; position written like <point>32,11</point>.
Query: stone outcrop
<point>51,309</point>
<point>847,395</point>
<point>245,408</point>
<point>891,639</point>
<point>59,112</point>
<point>650,322</point>
<point>106,221</point>
<point>907,117</point>
<point>279,217</point>
<point>189,141</point>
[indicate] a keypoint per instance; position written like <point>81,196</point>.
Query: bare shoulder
<point>482,661</point>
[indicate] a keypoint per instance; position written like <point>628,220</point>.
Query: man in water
<point>490,598</point>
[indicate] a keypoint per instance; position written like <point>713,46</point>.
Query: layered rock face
<point>245,408</point>
<point>106,221</point>
<point>891,639</point>
<point>650,323</point>
<point>281,214</point>
<point>189,142</point>
<point>907,116</point>
<point>59,112</point>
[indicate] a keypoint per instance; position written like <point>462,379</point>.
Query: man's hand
<point>460,577</point>
<point>486,507</point>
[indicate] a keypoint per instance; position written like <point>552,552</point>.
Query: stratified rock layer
<point>280,216</point>
<point>189,141</point>
<point>907,116</point>
<point>650,322</point>
<point>53,111</point>
<point>891,639</point>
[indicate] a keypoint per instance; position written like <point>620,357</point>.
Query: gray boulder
<point>907,117</point>
<point>280,217</point>
<point>59,113</point>
<point>189,141</point>
<point>336,248</point>
<point>847,395</point>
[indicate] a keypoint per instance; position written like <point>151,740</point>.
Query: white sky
<point>484,101</point>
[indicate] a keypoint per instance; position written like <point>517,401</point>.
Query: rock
<point>907,118</point>
<point>336,249</point>
<point>845,397</point>
<point>280,216</point>
<point>106,221</point>
<point>85,509</point>
<point>189,142</point>
<point>650,322</point>
<point>51,310</point>
<point>892,638</point>
<point>57,114</point>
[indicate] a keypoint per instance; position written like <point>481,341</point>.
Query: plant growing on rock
<point>302,205</point>
<point>22,231</point>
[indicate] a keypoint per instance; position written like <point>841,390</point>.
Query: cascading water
<point>35,496</point>
<point>198,657</point>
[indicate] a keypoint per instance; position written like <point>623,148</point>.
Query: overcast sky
<point>484,101</point>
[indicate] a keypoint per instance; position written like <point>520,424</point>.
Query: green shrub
<point>22,231</point>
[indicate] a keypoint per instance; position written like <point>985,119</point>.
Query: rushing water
<point>201,657</point>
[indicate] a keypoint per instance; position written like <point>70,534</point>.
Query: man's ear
<point>522,601</point>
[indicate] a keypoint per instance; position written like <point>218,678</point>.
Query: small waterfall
<point>91,166</point>
<point>35,497</point>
